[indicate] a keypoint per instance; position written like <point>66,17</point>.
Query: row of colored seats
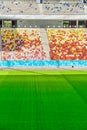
<point>26,44</point>
<point>68,44</point>
<point>22,44</point>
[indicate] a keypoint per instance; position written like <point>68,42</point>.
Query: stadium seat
<point>15,7</point>
<point>18,7</point>
<point>64,8</point>
<point>22,44</point>
<point>68,44</point>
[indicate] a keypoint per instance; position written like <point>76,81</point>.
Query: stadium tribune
<point>43,65</point>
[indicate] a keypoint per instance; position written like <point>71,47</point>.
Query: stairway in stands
<point>45,42</point>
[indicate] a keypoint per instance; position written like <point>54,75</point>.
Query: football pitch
<point>43,100</point>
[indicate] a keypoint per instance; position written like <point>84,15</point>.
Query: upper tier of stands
<point>18,7</point>
<point>22,44</point>
<point>64,8</point>
<point>26,7</point>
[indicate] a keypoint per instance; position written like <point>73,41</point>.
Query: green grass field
<point>43,100</point>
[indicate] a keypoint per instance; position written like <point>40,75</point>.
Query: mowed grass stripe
<point>79,83</point>
<point>41,72</point>
<point>42,102</point>
<point>63,113</point>
<point>17,101</point>
<point>59,110</point>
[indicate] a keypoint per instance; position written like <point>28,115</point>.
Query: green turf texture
<point>43,100</point>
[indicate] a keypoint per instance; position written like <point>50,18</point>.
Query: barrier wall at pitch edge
<point>47,63</point>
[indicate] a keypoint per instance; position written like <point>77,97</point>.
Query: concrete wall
<point>40,23</point>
